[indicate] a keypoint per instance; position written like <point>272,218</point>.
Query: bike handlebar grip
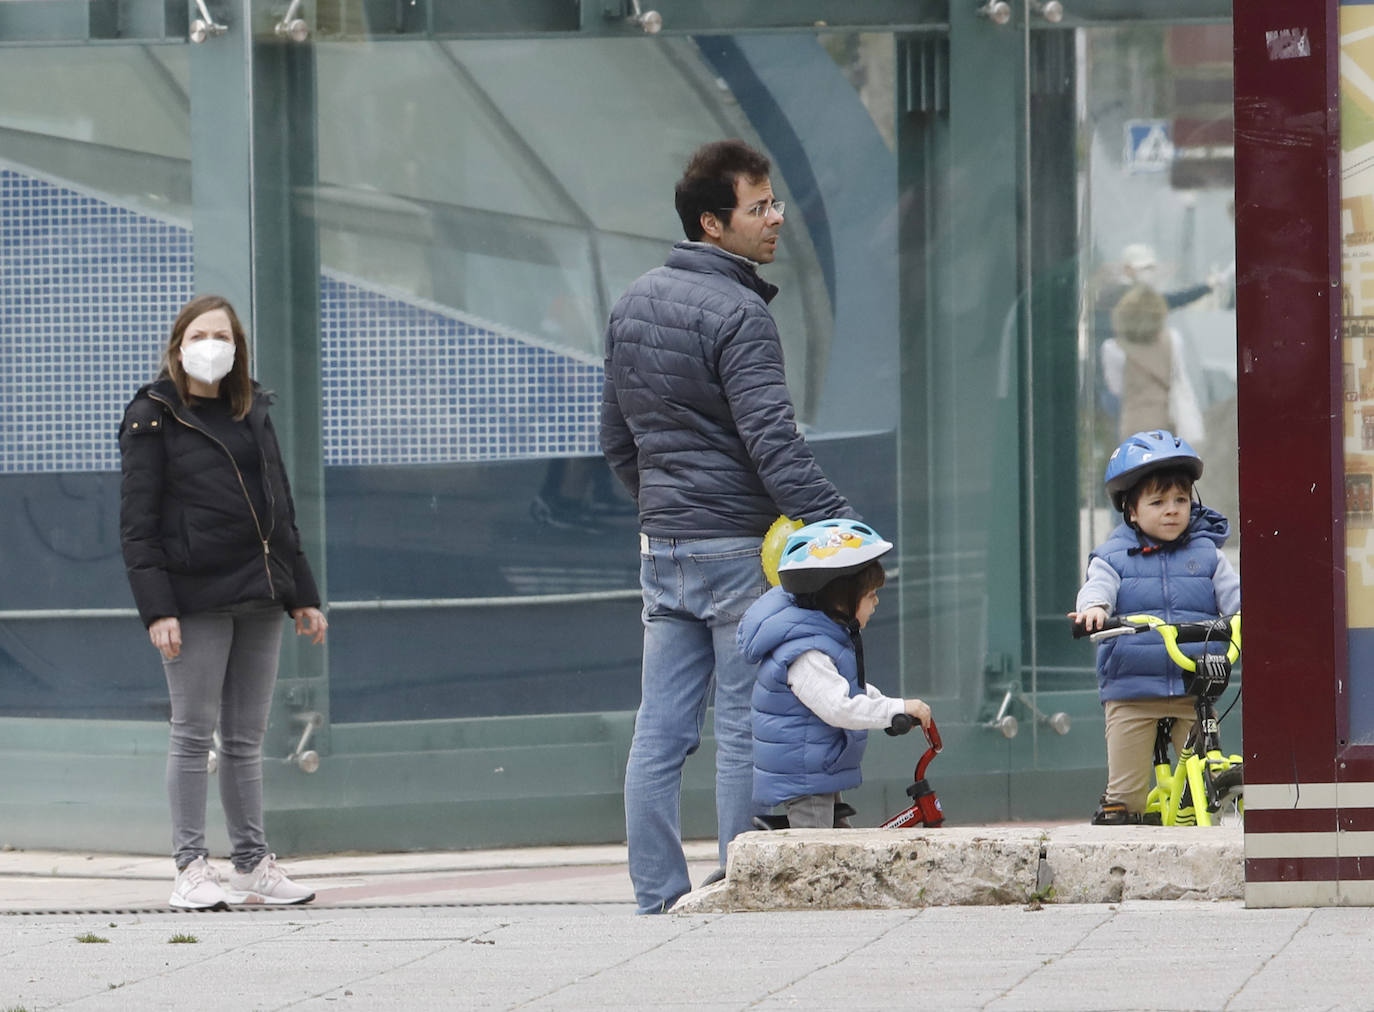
<point>1080,630</point>
<point>1216,629</point>
<point>901,724</point>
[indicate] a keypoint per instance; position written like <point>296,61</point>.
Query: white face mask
<point>208,360</point>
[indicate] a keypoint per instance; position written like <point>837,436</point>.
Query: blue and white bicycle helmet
<point>827,550</point>
<point>1145,452</point>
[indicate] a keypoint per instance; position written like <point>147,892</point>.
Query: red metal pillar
<point>1305,784</point>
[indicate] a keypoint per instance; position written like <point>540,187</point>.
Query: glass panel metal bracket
<point>1004,722</point>
<point>996,11</point>
<point>292,26</point>
<point>205,26</point>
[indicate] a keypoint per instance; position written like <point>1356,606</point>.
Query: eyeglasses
<point>759,210</point>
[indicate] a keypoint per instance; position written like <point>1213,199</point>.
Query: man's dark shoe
<point>716,876</point>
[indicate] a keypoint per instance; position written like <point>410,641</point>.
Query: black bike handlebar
<point>901,724</point>
<point>1200,631</point>
<point>904,722</point>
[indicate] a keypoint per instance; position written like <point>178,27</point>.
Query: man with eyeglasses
<point>697,421</point>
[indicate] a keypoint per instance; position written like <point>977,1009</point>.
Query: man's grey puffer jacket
<point>696,419</point>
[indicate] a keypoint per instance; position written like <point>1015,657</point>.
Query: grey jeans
<point>812,811</point>
<point>225,673</point>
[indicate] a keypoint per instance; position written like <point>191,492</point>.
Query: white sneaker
<point>197,888</point>
<point>266,883</point>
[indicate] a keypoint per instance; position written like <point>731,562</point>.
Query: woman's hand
<point>918,709</point>
<point>310,622</point>
<point>165,634</point>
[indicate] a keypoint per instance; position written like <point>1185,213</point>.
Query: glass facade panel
<point>1131,182</point>
<point>959,204</point>
<point>1158,178</point>
<point>467,274</point>
<point>95,259</point>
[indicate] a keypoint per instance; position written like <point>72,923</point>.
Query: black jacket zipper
<point>243,486</point>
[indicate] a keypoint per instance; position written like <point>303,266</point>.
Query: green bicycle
<point>1203,771</point>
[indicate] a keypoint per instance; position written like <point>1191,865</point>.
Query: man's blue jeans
<point>695,591</point>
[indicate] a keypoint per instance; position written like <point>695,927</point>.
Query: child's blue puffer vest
<point>795,752</point>
<point>1172,581</point>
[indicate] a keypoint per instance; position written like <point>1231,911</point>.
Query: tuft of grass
<point>182,939</point>
<point>90,937</point>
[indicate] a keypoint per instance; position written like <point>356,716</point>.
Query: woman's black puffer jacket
<point>192,540</point>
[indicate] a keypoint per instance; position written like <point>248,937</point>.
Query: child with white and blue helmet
<point>1163,559</point>
<point>812,705</point>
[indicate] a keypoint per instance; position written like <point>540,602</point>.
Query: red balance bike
<point>925,807</point>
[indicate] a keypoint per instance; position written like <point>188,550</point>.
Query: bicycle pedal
<point>1151,819</point>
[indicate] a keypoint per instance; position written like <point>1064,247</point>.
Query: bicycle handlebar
<point>904,722</point>
<point>1173,633</point>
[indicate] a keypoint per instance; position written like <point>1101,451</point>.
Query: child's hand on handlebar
<point>919,710</point>
<point>1091,619</point>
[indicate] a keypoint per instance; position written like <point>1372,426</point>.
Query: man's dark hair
<point>708,182</point>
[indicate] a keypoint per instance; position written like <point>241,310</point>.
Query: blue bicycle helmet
<point>1145,452</point>
<point>826,550</point>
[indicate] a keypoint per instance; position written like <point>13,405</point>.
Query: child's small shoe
<point>1112,813</point>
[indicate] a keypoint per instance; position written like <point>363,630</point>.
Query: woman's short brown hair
<point>238,385</point>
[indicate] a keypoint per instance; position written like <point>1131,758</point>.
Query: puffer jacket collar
<point>775,618</point>
<point>164,391</point>
<point>704,258</point>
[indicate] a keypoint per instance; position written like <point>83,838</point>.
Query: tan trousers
<point>1131,741</point>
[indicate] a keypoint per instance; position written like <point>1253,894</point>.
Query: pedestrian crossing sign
<point>1149,147</point>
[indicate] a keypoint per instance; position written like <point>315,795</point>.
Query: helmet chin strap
<point>849,623</point>
<point>851,626</point>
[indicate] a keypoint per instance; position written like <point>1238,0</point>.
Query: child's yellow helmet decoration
<point>773,544</point>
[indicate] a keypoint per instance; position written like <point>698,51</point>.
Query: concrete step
<point>854,869</point>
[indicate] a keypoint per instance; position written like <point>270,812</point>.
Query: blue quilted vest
<point>795,752</point>
<point>1172,580</point>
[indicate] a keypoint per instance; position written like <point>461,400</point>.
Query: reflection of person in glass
<point>697,422</point>
<point>214,557</point>
<point>1138,266</point>
<point>1145,368</point>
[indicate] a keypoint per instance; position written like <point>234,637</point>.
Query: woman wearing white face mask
<point>214,558</point>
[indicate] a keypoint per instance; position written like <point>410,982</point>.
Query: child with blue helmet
<point>812,706</point>
<point>1163,559</point>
